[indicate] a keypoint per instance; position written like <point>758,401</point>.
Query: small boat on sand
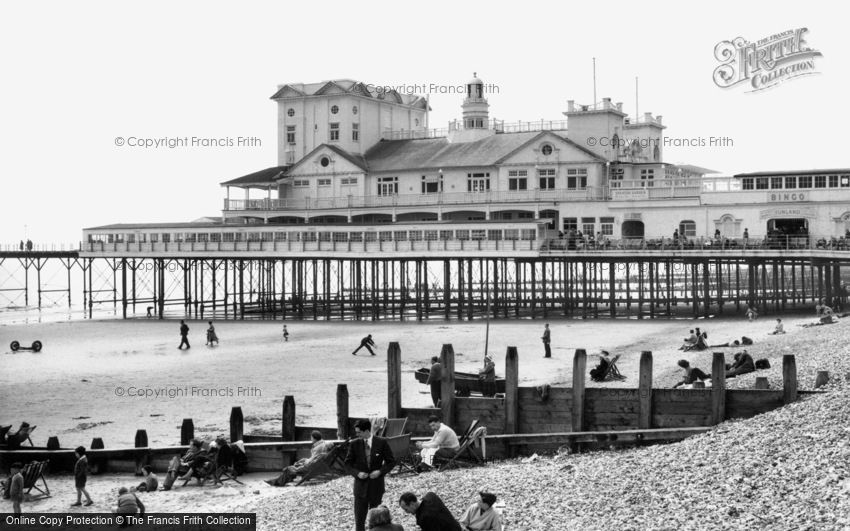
<point>462,379</point>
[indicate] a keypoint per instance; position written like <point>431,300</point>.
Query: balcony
<point>453,198</point>
<point>499,126</point>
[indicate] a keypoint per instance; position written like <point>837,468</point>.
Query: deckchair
<point>331,466</point>
<point>394,427</point>
<point>476,436</point>
<point>400,447</point>
<point>15,440</point>
<point>612,372</point>
<point>223,469</point>
<point>32,473</point>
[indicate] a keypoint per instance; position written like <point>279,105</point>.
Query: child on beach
<point>285,333</point>
<point>81,471</point>
<point>16,488</point>
<point>779,329</point>
<point>151,482</point>
<point>751,314</point>
<point>211,337</point>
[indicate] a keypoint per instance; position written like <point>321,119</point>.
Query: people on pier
<point>184,335</point>
<point>692,374</point>
<point>435,380</point>
<point>444,443</point>
<point>547,339</point>
<point>430,512</point>
<point>481,516</point>
<point>779,328</point>
<point>366,343</point>
<point>212,338</point>
<point>742,365</point>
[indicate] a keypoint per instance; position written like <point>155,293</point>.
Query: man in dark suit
<point>368,459</point>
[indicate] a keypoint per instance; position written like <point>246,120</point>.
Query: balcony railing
<point>452,198</point>
<point>292,246</point>
<point>775,243</point>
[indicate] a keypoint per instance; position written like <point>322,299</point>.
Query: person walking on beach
<point>184,335</point>
<point>547,338</point>
<point>285,333</point>
<point>16,488</point>
<point>435,380</point>
<point>365,342</point>
<point>81,472</point>
<point>211,336</point>
<point>369,459</point>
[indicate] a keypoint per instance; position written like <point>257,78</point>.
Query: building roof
<point>696,169</point>
<point>357,160</point>
<point>793,172</point>
<point>264,177</point>
<point>400,155</point>
<point>347,86</point>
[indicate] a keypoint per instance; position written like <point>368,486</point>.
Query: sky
<point>75,76</point>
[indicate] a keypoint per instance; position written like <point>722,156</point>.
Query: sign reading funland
<point>764,63</point>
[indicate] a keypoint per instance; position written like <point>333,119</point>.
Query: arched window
<point>729,226</point>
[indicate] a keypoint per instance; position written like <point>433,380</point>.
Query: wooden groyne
<point>522,421</point>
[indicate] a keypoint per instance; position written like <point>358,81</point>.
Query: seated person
<point>692,374</point>
<point>128,503</point>
<point>743,364</point>
<point>751,314</point>
<point>380,519</point>
<point>151,482</point>
<point>481,516</point>
<point>443,444</point>
<point>14,440</point>
<point>597,374</point>
<point>701,344</point>
<point>318,450</point>
<point>689,341</point>
<point>779,328</point>
<point>826,315</point>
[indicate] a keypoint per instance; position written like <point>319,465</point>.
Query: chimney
<point>606,103</point>
<point>658,119</point>
<point>571,105</point>
<point>620,106</point>
<point>647,117</point>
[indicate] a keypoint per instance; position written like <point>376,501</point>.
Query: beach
<point>109,378</point>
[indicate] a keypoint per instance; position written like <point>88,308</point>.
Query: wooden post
<point>511,390</point>
<point>789,378</point>
<point>287,424</point>
<point>97,464</point>
<point>718,388</point>
<point>236,424</point>
<point>141,439</point>
<point>394,380</point>
<point>187,432</point>
<point>762,383</point>
<point>821,379</point>
<point>645,390</point>
<point>53,443</point>
<point>579,366</point>
<point>447,392</point>
<point>141,442</point>
<point>342,411</point>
